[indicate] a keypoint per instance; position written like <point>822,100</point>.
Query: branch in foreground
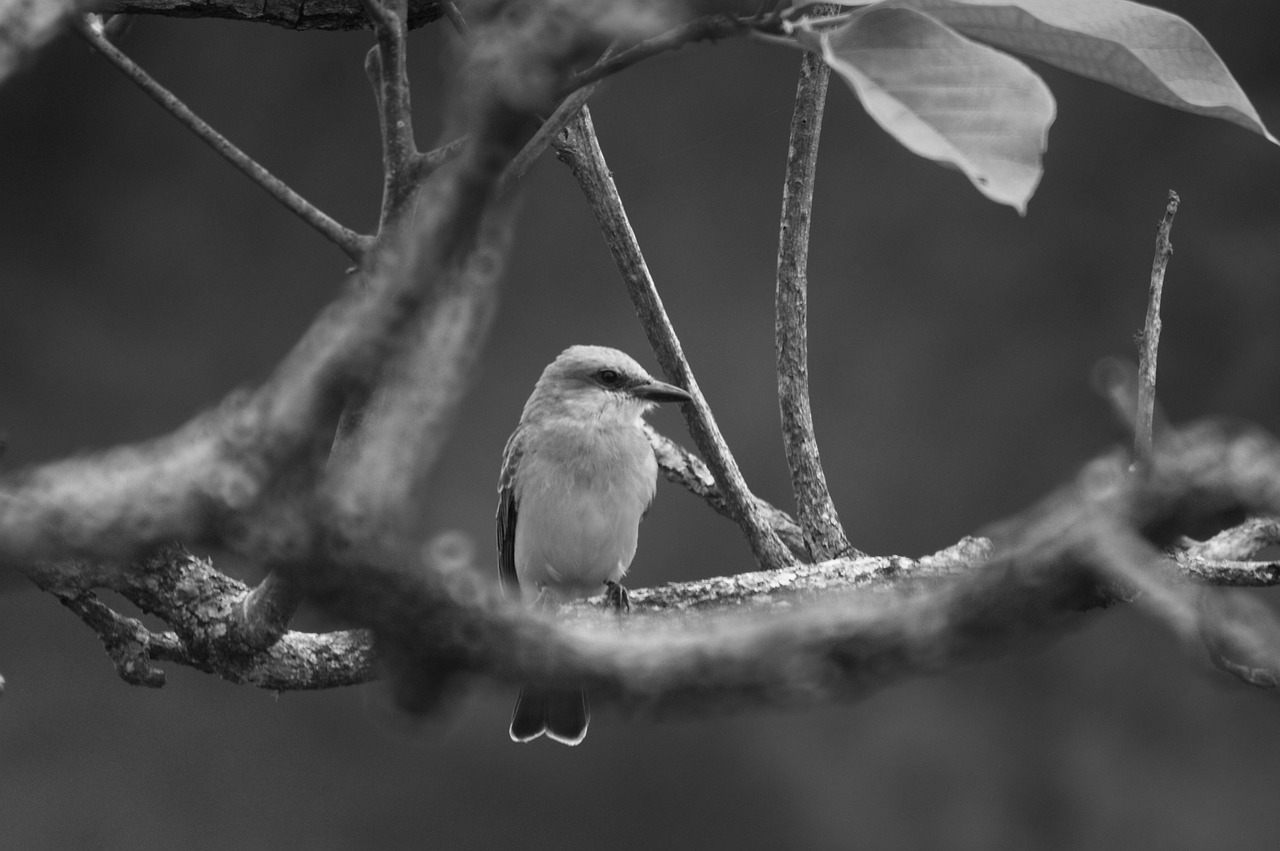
<point>814,505</point>
<point>581,152</point>
<point>352,243</point>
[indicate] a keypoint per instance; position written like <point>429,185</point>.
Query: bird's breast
<point>581,495</point>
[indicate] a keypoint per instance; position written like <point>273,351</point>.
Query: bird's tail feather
<point>562,714</point>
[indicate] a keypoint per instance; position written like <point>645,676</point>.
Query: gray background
<point>951,344</point>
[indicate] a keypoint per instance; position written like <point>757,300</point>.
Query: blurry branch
<point>580,150</point>
<point>348,240</point>
<point>314,14</point>
<point>1149,339</point>
<point>814,505</point>
<point>256,476</point>
<point>795,635</point>
<point>25,27</point>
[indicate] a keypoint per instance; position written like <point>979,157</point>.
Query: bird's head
<point>599,382</point>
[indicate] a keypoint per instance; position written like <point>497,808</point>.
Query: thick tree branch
<point>710,28</point>
<point>683,468</point>
<point>313,14</point>
<point>205,607</point>
<point>802,633</point>
<point>581,152</point>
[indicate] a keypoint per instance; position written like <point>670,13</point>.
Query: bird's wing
<point>508,509</point>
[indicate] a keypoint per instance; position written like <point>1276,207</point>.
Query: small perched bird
<point>578,474</point>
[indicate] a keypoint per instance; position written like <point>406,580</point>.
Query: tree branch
<point>819,638</point>
<point>581,152</point>
<point>814,506</point>
<point>710,28</point>
<point>1149,339</point>
<point>683,468</point>
<point>352,243</point>
<point>205,607</point>
<point>313,14</point>
<point>385,67</point>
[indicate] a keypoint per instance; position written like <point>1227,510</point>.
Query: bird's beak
<point>659,391</point>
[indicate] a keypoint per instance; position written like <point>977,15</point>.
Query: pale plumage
<point>578,475</point>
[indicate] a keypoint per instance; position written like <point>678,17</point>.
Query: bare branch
<point>581,152</point>
<point>814,506</point>
<point>683,468</point>
<point>551,128</point>
<point>314,14</point>
<point>710,28</point>
<point>205,607</point>
<point>385,66</point>
<point>352,243</point>
<point>1149,341</point>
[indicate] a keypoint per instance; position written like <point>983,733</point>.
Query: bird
<point>578,475</point>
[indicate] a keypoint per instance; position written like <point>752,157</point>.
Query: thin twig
<point>700,29</point>
<point>545,135</point>
<point>1149,341</point>
<point>454,15</point>
<point>814,506</point>
<point>353,244</point>
<point>428,162</point>
<point>581,152</point>
<point>687,470</point>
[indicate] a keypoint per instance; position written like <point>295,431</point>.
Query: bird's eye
<point>609,377</point>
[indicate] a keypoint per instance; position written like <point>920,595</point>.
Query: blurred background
<point>951,346</point>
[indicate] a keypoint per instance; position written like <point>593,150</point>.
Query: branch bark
<point>314,14</point>
<point>581,152</point>
<point>352,243</point>
<point>1149,339</point>
<point>814,505</point>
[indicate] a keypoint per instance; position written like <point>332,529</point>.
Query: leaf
<point>943,96</point>
<point>1142,50</point>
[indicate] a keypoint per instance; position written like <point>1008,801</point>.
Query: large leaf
<point>1148,52</point>
<point>943,96</point>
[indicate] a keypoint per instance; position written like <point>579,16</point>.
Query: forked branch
<point>581,152</point>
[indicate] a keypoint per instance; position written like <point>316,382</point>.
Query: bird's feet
<point>616,596</point>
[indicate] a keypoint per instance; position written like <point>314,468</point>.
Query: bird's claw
<point>616,596</point>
